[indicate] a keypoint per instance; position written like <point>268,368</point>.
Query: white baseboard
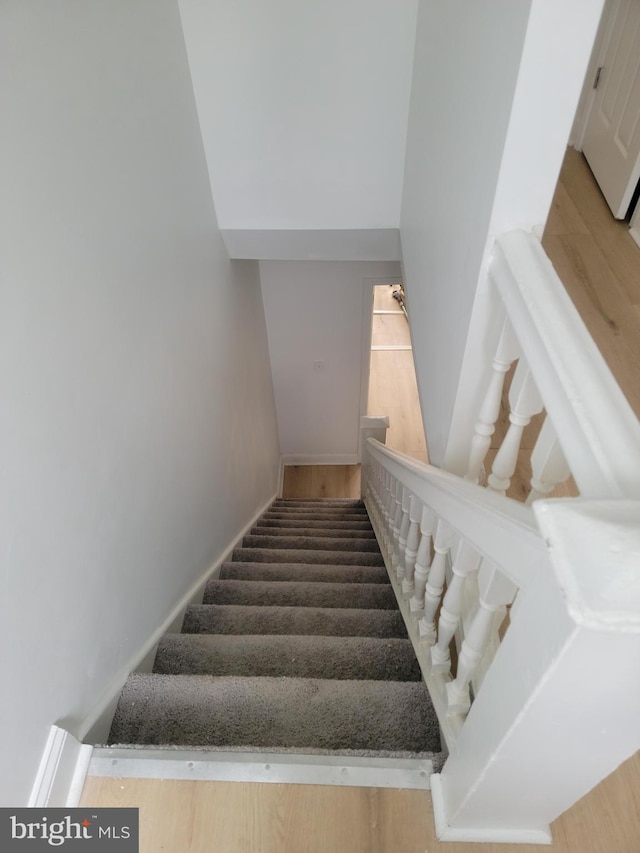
<point>495,835</point>
<point>63,769</point>
<point>635,233</point>
<point>236,766</point>
<point>95,727</point>
<point>320,459</point>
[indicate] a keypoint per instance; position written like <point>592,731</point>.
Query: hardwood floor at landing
<point>599,265</point>
<point>232,817</point>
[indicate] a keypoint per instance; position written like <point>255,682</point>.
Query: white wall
<point>467,57</point>
<point>303,109</point>
<point>318,322</point>
<point>559,38</point>
<point>138,431</point>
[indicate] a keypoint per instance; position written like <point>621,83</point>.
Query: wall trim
<point>320,459</point>
<point>510,835</point>
<point>62,771</point>
<point>96,724</point>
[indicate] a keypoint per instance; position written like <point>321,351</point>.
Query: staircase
<point>299,646</point>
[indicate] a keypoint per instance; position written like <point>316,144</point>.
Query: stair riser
<point>311,621</point>
<point>310,532</point>
<point>310,524</point>
<point>309,543</point>
<point>275,572</point>
<point>285,555</point>
<point>294,657</point>
<point>300,594</point>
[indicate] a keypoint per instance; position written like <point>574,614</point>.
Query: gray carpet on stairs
<point>303,572</point>
<point>367,596</point>
<point>283,655</point>
<point>297,646</point>
<point>316,712</point>
<point>314,621</point>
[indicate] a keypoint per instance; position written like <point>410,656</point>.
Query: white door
<point>612,138</point>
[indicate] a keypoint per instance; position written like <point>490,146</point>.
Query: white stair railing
<point>556,686</point>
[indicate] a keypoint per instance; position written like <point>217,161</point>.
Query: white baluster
<point>396,524</point>
<point>466,562</point>
<point>402,535</point>
<point>413,541</point>
<point>389,507</point>
<point>496,591</point>
<point>435,582</point>
<point>525,402</point>
<point>506,352</point>
<point>423,562</point>
<point>548,465</point>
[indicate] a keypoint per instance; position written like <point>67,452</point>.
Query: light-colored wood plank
<point>603,305</point>
<point>390,329</point>
<point>612,237</point>
<point>383,298</point>
<point>199,817</point>
<point>321,481</point>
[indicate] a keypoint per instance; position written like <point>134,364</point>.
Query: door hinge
<point>598,75</point>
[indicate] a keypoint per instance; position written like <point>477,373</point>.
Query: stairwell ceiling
<point>303,109</point>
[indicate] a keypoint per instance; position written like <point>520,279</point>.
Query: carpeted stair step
<point>320,513</point>
<point>304,572</point>
<point>201,710</point>
<point>298,646</point>
<point>310,555</point>
<point>291,656</point>
<point>311,543</point>
<point>311,524</point>
<point>312,621</point>
<point>344,503</point>
<point>363,596</point>
<point>310,532</point>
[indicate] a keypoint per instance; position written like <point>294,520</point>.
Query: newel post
<point>559,707</point>
<point>370,427</point>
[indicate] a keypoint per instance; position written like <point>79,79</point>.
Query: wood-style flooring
<point>599,265</point>
<point>392,380</point>
<point>233,817</point>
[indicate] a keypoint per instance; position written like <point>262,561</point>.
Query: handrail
<point>597,429</point>
<point>496,526</point>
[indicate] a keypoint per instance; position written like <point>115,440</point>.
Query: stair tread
<point>309,532</point>
<point>190,710</point>
<point>368,596</point>
<point>312,524</point>
<point>369,658</point>
<point>318,572</point>
<point>307,555</point>
<point>312,621</point>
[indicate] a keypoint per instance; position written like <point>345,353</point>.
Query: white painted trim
<point>320,459</point>
<point>582,398</point>
<point>292,769</point>
<point>281,476</point>
<point>634,228</point>
<point>587,97</point>
<point>99,719</point>
<point>62,771</point>
<point>496,526</point>
<point>450,724</point>
<point>444,832</point>
<point>377,311</point>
